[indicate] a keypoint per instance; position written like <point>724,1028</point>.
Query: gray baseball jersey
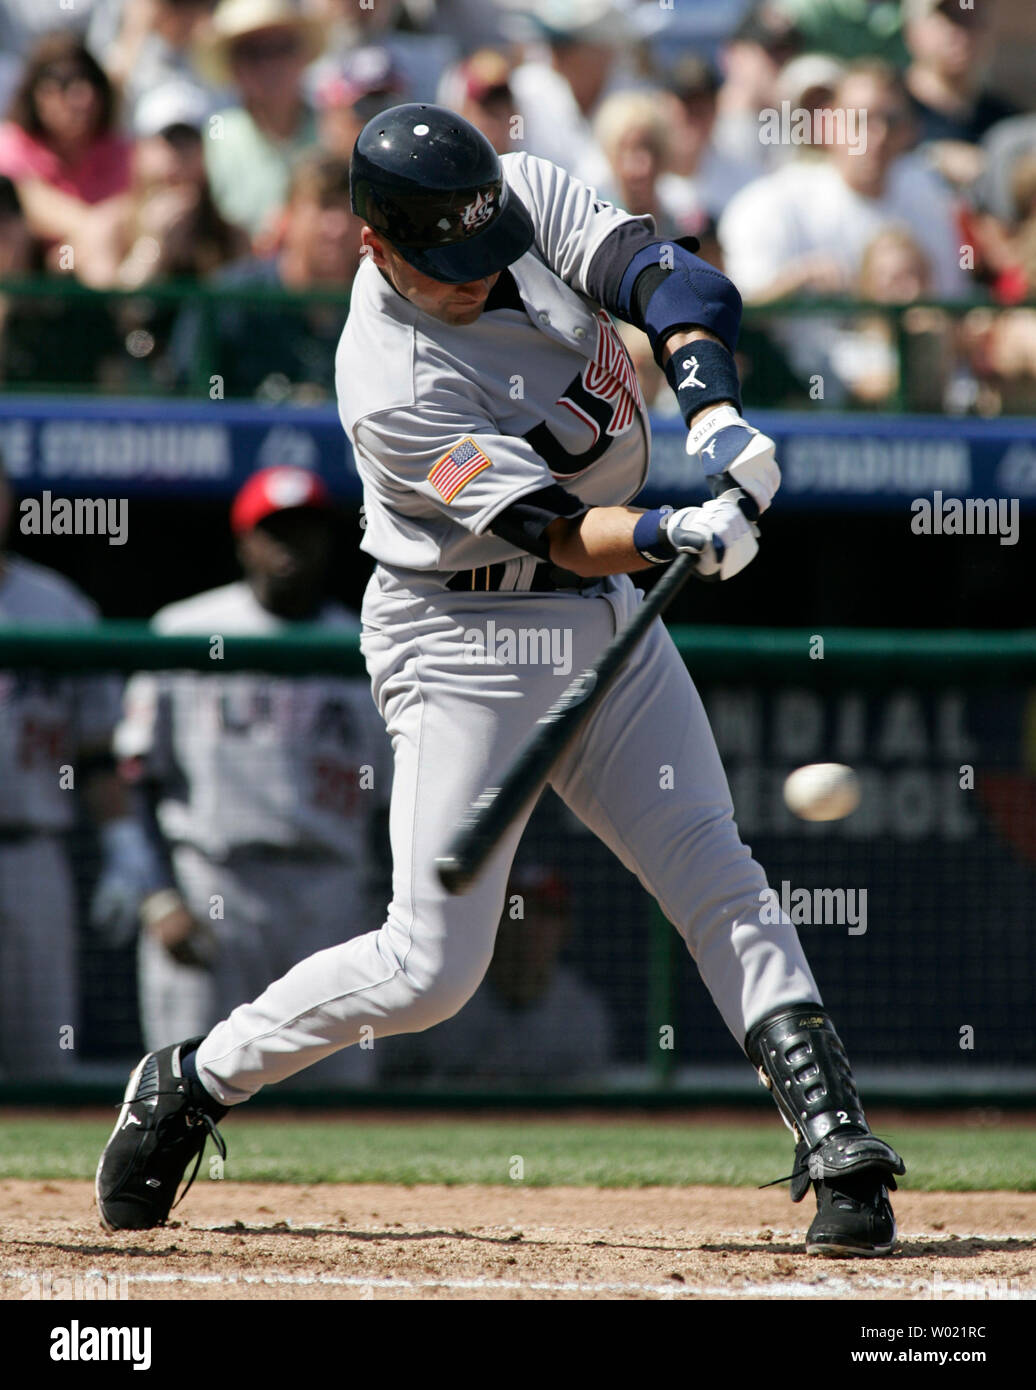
<point>459,422</point>
<point>248,760</point>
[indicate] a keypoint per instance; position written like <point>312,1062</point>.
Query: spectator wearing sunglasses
<point>262,47</point>
<point>59,143</point>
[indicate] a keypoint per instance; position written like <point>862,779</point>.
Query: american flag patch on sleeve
<point>457,468</point>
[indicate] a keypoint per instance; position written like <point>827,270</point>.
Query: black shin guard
<point>801,1061</point>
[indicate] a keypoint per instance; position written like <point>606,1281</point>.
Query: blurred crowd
<point>856,153</point>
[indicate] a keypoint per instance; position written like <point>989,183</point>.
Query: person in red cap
<point>281,521</point>
<point>263,796</point>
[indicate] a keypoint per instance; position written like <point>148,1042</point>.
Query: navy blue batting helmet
<point>433,186</point>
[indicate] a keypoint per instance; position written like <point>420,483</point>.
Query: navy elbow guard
<point>665,288</point>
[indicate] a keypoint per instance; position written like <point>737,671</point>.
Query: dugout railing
<point>128,340</point>
<point>917,912</point>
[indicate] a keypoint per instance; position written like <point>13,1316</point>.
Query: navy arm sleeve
<point>524,523</point>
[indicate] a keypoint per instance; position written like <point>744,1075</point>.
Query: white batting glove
<point>718,533</point>
<point>733,453</point>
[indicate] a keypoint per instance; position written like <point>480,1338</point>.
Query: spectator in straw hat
<point>262,47</point>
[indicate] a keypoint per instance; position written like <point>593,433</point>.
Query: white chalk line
<point>775,1236</point>
<point>825,1286</point>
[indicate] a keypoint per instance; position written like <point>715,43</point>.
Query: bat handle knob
<point>451,875</point>
<point>723,482</point>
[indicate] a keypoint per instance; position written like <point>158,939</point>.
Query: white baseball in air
<point>822,791</point>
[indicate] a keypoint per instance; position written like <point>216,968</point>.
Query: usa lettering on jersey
<point>610,378</point>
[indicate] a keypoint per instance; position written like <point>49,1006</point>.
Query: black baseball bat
<point>488,817</point>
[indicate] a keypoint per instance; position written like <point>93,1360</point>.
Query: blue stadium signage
<point>202,448</point>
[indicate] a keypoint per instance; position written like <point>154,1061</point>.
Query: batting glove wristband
<point>733,454</point>
<point>718,533</point>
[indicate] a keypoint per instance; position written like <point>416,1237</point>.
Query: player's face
<point>454,304</point>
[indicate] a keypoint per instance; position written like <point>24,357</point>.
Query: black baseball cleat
<point>163,1123</point>
<point>802,1063</point>
<point>854,1216</point>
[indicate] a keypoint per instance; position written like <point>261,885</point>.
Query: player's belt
<point>546,579</point>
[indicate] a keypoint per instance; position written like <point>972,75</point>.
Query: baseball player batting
<point>500,435</point>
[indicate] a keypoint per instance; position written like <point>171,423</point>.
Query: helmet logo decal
<point>478,213</point>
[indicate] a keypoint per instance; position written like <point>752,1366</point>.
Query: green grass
<point>615,1153</point>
